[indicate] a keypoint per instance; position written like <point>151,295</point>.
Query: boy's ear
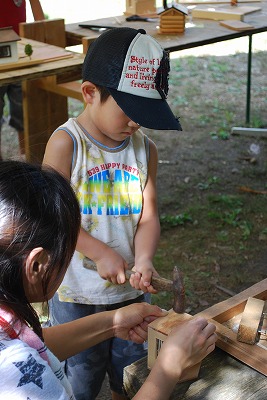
<point>36,265</point>
<point>88,91</point>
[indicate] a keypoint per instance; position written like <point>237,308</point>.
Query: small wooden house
<point>8,45</point>
<point>140,7</point>
<point>172,19</point>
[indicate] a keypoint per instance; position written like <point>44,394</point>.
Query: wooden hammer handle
<point>159,284</point>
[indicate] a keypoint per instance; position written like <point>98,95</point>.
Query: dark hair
<point>38,208</point>
<point>104,93</point>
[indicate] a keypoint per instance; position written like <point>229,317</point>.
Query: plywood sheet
<point>42,53</point>
<point>223,13</point>
<point>236,25</point>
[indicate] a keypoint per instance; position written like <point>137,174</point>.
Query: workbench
<point>221,377</point>
<point>43,110</point>
<point>198,32</point>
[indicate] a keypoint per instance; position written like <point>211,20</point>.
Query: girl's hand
<point>187,345</point>
<point>130,322</point>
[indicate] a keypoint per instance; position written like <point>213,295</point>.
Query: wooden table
<point>221,377</point>
<point>197,33</point>
<point>43,110</point>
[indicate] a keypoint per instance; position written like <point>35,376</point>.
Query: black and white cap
<point>134,68</point>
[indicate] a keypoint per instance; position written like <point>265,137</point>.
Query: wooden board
<point>250,321</point>
<point>41,54</point>
<point>236,25</point>
<point>223,13</point>
<point>221,378</point>
<point>198,2</point>
<point>221,313</point>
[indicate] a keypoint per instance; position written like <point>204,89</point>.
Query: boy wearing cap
<point>112,167</point>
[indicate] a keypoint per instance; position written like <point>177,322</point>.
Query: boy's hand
<point>130,322</point>
<point>111,266</point>
<point>142,277</point>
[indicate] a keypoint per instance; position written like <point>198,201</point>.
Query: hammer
<point>160,284</point>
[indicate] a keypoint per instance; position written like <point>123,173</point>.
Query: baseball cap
<point>134,68</point>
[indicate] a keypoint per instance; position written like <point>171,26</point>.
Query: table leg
<point>249,79</point>
<point>43,112</point>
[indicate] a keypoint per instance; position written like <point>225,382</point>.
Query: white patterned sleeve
<point>24,374</point>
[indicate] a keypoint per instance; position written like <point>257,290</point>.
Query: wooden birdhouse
<point>158,331</point>
<point>140,7</point>
<point>8,45</point>
<point>172,20</point>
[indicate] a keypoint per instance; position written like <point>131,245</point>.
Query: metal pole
<point>249,78</point>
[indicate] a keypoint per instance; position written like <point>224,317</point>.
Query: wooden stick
<point>37,10</point>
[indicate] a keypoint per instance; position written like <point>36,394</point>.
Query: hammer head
<point>178,291</point>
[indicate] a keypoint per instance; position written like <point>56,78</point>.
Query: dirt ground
<point>214,231</point>
<point>212,186</point>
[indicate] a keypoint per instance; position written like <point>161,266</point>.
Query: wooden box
<point>140,7</point>
<point>158,331</point>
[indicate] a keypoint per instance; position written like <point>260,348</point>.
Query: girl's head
<point>39,225</point>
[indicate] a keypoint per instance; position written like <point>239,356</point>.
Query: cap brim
<point>149,113</point>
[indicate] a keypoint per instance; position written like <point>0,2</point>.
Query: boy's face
<point>111,124</point>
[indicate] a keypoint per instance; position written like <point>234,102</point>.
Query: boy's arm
<point>110,265</point>
<point>59,152</point>
<point>148,231</point>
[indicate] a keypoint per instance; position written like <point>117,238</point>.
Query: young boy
<point>112,167</point>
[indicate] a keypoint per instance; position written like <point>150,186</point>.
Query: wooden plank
<point>171,24</point>
<point>227,339</point>
<point>37,10</point>
<point>166,324</point>
<point>221,377</point>
<point>200,2</point>
<point>220,13</point>
<point>62,68</point>
<point>38,126</point>
<point>253,356</point>
<point>250,321</point>
<point>67,89</point>
<point>236,25</point>
<point>173,18</point>
<point>50,31</point>
<point>227,309</point>
<point>170,32</point>
<point>41,54</point>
